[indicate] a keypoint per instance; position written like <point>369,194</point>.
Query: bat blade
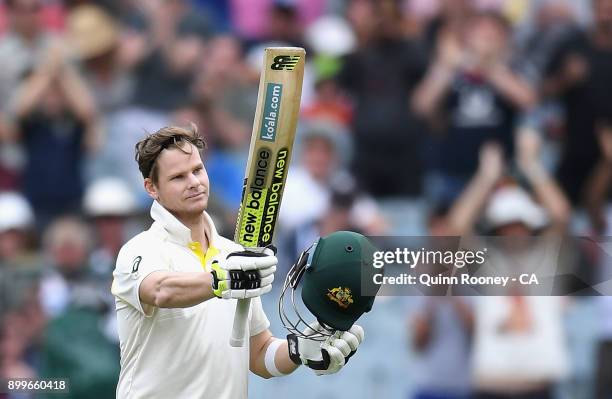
<point>274,126</point>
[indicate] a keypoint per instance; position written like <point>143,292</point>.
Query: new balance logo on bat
<point>285,62</point>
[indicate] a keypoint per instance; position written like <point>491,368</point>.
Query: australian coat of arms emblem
<point>341,295</point>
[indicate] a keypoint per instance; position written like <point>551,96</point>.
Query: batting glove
<point>325,357</point>
<point>244,274</point>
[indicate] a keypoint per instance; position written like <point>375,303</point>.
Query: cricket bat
<point>276,115</point>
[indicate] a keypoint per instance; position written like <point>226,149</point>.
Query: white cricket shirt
<point>180,353</point>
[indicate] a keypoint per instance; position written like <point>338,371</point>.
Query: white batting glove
<point>244,274</point>
<point>325,357</point>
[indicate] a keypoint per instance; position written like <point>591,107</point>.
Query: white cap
<point>331,35</point>
<point>512,204</point>
<point>15,212</point>
<point>109,196</point>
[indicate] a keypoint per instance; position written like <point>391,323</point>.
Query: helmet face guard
<point>292,281</point>
<point>329,275</point>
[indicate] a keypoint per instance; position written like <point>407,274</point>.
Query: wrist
<point>217,283</point>
<point>534,172</point>
<point>496,71</point>
<point>270,358</point>
<point>486,177</point>
<point>442,71</point>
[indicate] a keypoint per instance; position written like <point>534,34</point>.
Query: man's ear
<point>150,188</point>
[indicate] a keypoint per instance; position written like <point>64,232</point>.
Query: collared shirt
<point>178,352</point>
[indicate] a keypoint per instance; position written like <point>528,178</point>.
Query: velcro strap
<point>215,282</point>
<point>294,355</point>
<point>320,364</point>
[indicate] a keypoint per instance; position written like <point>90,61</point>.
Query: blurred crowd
<point>418,117</point>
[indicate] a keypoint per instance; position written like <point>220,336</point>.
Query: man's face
<point>182,184</point>
<point>486,38</point>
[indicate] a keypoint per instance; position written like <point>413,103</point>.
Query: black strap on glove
<point>294,355</point>
<point>240,279</point>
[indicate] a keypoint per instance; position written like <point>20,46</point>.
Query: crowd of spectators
<point>419,117</point>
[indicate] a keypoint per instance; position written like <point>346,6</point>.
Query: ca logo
<point>285,62</point>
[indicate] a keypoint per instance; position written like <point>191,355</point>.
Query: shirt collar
<point>176,230</point>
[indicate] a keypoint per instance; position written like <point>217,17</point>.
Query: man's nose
<point>193,180</point>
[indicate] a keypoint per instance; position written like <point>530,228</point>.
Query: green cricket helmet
<point>336,279</point>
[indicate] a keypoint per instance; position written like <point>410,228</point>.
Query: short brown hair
<point>149,148</point>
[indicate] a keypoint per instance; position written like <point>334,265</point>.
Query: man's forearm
<point>284,364</point>
<point>549,194</point>
<point>176,290</point>
<point>259,348</point>
<point>432,90</point>
<point>512,87</point>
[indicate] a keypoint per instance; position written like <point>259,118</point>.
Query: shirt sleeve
<point>133,266</point>
<point>258,321</point>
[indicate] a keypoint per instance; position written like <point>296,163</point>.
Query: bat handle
<point>240,319</point>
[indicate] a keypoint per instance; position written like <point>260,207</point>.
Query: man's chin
<point>199,205</point>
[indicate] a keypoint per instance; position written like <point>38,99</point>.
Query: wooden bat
<point>276,115</point>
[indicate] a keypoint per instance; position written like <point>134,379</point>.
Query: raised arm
<point>180,52</point>
<point>82,104</point>
<point>600,181</point>
<point>512,86</point>
<point>31,91</point>
<point>465,211</point>
<point>80,99</point>
<point>242,274</point>
<point>55,69</point>
<point>544,186</point>
<point>432,89</point>
<point>175,289</point>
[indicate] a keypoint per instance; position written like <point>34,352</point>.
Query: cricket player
<point>176,286</point>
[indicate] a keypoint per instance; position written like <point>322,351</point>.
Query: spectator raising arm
<point>467,208</point>
<point>180,51</point>
<point>600,181</point>
<point>81,102</point>
<point>56,76</point>
<point>512,86</point>
<point>433,88</point>
<point>544,187</point>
